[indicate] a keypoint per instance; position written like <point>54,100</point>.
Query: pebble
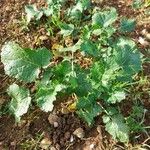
<point>92,146</point>
<point>57,146</point>
<point>67,135</point>
<point>52,148</point>
<point>45,143</point>
<point>43,37</point>
<point>56,124</point>
<point>71,139</point>
<point>13,143</point>
<point>53,120</point>
<point>143,42</point>
<point>99,129</point>
<point>79,133</point>
<point>146,34</point>
<point>8,8</point>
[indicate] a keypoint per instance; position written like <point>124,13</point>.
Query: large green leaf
<point>24,64</point>
<point>104,18</point>
<point>20,100</point>
<point>127,56</point>
<point>115,125</point>
<point>46,96</point>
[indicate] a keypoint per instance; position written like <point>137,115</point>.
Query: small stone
<point>53,118</point>
<point>67,135</point>
<point>1,143</point>
<point>148,36</point>
<point>45,143</point>
<point>21,123</point>
<point>55,124</point>
<point>52,148</point>
<point>57,146</point>
<point>8,8</point>
<point>92,146</point>
<point>71,139</point>
<point>143,42</point>
<point>43,37</point>
<point>13,143</point>
<point>143,31</point>
<point>99,129</point>
<point>79,133</point>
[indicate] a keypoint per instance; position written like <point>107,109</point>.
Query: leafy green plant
<point>99,86</point>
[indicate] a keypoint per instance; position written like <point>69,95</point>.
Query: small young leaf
<point>77,10</point>
<point>127,25</point>
<point>67,29</point>
<point>47,11</point>
<point>33,12</point>
<point>83,5</point>
<point>105,18</point>
<point>73,48</point>
<point>137,4</point>
<point>20,100</point>
<point>24,64</point>
<point>116,96</point>
<point>116,126</point>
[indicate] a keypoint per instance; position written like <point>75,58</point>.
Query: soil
<point>35,125</point>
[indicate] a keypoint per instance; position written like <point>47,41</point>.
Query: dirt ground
<point>36,126</point>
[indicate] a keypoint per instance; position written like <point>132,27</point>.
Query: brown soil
<point>25,135</point>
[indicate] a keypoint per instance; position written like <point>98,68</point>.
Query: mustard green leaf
<point>116,126</point>
<point>24,64</point>
<point>105,18</point>
<point>46,96</point>
<point>20,100</point>
<point>32,12</point>
<point>127,25</point>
